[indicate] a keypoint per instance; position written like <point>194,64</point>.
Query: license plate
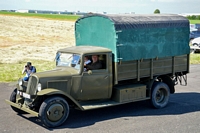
<point>23,94</point>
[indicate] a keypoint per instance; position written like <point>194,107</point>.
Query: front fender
<point>52,91</point>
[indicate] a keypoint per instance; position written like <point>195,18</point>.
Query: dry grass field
<point>24,38</point>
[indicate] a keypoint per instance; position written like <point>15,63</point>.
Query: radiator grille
<point>32,85</point>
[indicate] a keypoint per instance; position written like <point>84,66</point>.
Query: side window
<point>95,62</point>
<point>102,59</point>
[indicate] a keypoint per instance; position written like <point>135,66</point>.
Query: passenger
<point>28,69</point>
<point>86,62</point>
<point>96,64</point>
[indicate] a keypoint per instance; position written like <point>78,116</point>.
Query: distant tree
<point>188,17</point>
<point>198,17</point>
<point>157,11</point>
<point>193,17</point>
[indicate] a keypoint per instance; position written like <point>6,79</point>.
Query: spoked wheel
<point>54,111</point>
<point>13,99</point>
<point>160,95</point>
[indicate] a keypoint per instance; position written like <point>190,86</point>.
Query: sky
<point>109,6</point>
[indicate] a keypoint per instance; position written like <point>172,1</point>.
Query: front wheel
<point>160,95</point>
<point>13,99</point>
<point>54,111</point>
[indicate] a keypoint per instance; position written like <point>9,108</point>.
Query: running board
<point>101,104</point>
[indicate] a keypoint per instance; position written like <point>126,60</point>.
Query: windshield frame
<point>77,60</point>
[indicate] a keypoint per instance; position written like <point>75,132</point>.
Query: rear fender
<point>166,79</point>
<point>52,91</point>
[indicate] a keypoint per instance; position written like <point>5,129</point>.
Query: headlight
<point>39,87</point>
<point>20,82</point>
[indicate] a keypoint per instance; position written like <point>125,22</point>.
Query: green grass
<point>12,72</point>
<point>195,58</point>
<point>194,21</point>
<point>44,16</point>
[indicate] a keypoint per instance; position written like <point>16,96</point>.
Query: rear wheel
<point>160,95</point>
<point>54,111</point>
<point>13,99</point>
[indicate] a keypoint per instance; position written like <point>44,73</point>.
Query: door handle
<point>105,77</point>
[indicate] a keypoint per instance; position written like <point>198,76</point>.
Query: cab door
<point>97,84</point>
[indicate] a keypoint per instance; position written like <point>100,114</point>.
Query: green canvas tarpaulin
<point>135,37</point>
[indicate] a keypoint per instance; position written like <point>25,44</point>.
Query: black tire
<point>159,95</point>
<point>13,99</point>
<point>54,111</point>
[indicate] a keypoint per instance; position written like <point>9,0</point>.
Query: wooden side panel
<point>151,67</point>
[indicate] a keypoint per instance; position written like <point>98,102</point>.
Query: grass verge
<point>195,58</point>
<point>194,21</point>
<point>44,16</point>
<point>12,72</point>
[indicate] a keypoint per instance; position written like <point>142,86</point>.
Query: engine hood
<point>58,78</point>
<point>57,72</point>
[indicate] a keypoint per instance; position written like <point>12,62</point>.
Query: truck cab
<point>88,84</point>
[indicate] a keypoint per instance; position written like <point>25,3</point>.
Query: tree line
<point>194,17</point>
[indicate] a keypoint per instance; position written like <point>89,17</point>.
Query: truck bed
<point>138,69</point>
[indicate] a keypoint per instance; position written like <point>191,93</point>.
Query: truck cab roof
<point>84,49</point>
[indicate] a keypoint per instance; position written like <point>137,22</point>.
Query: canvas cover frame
<point>133,36</point>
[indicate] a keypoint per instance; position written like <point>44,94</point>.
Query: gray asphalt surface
<point>182,115</point>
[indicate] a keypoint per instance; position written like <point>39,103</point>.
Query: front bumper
<point>21,107</point>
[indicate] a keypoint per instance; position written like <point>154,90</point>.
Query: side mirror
<point>89,72</point>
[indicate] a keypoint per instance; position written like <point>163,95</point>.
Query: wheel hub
<point>55,112</point>
<point>160,95</point>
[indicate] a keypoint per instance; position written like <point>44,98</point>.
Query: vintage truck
<point>143,57</point>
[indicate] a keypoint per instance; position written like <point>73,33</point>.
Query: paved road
<point>182,115</point>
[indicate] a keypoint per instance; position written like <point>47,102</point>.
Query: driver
<point>96,64</point>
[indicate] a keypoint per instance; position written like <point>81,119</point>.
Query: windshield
<point>68,59</point>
